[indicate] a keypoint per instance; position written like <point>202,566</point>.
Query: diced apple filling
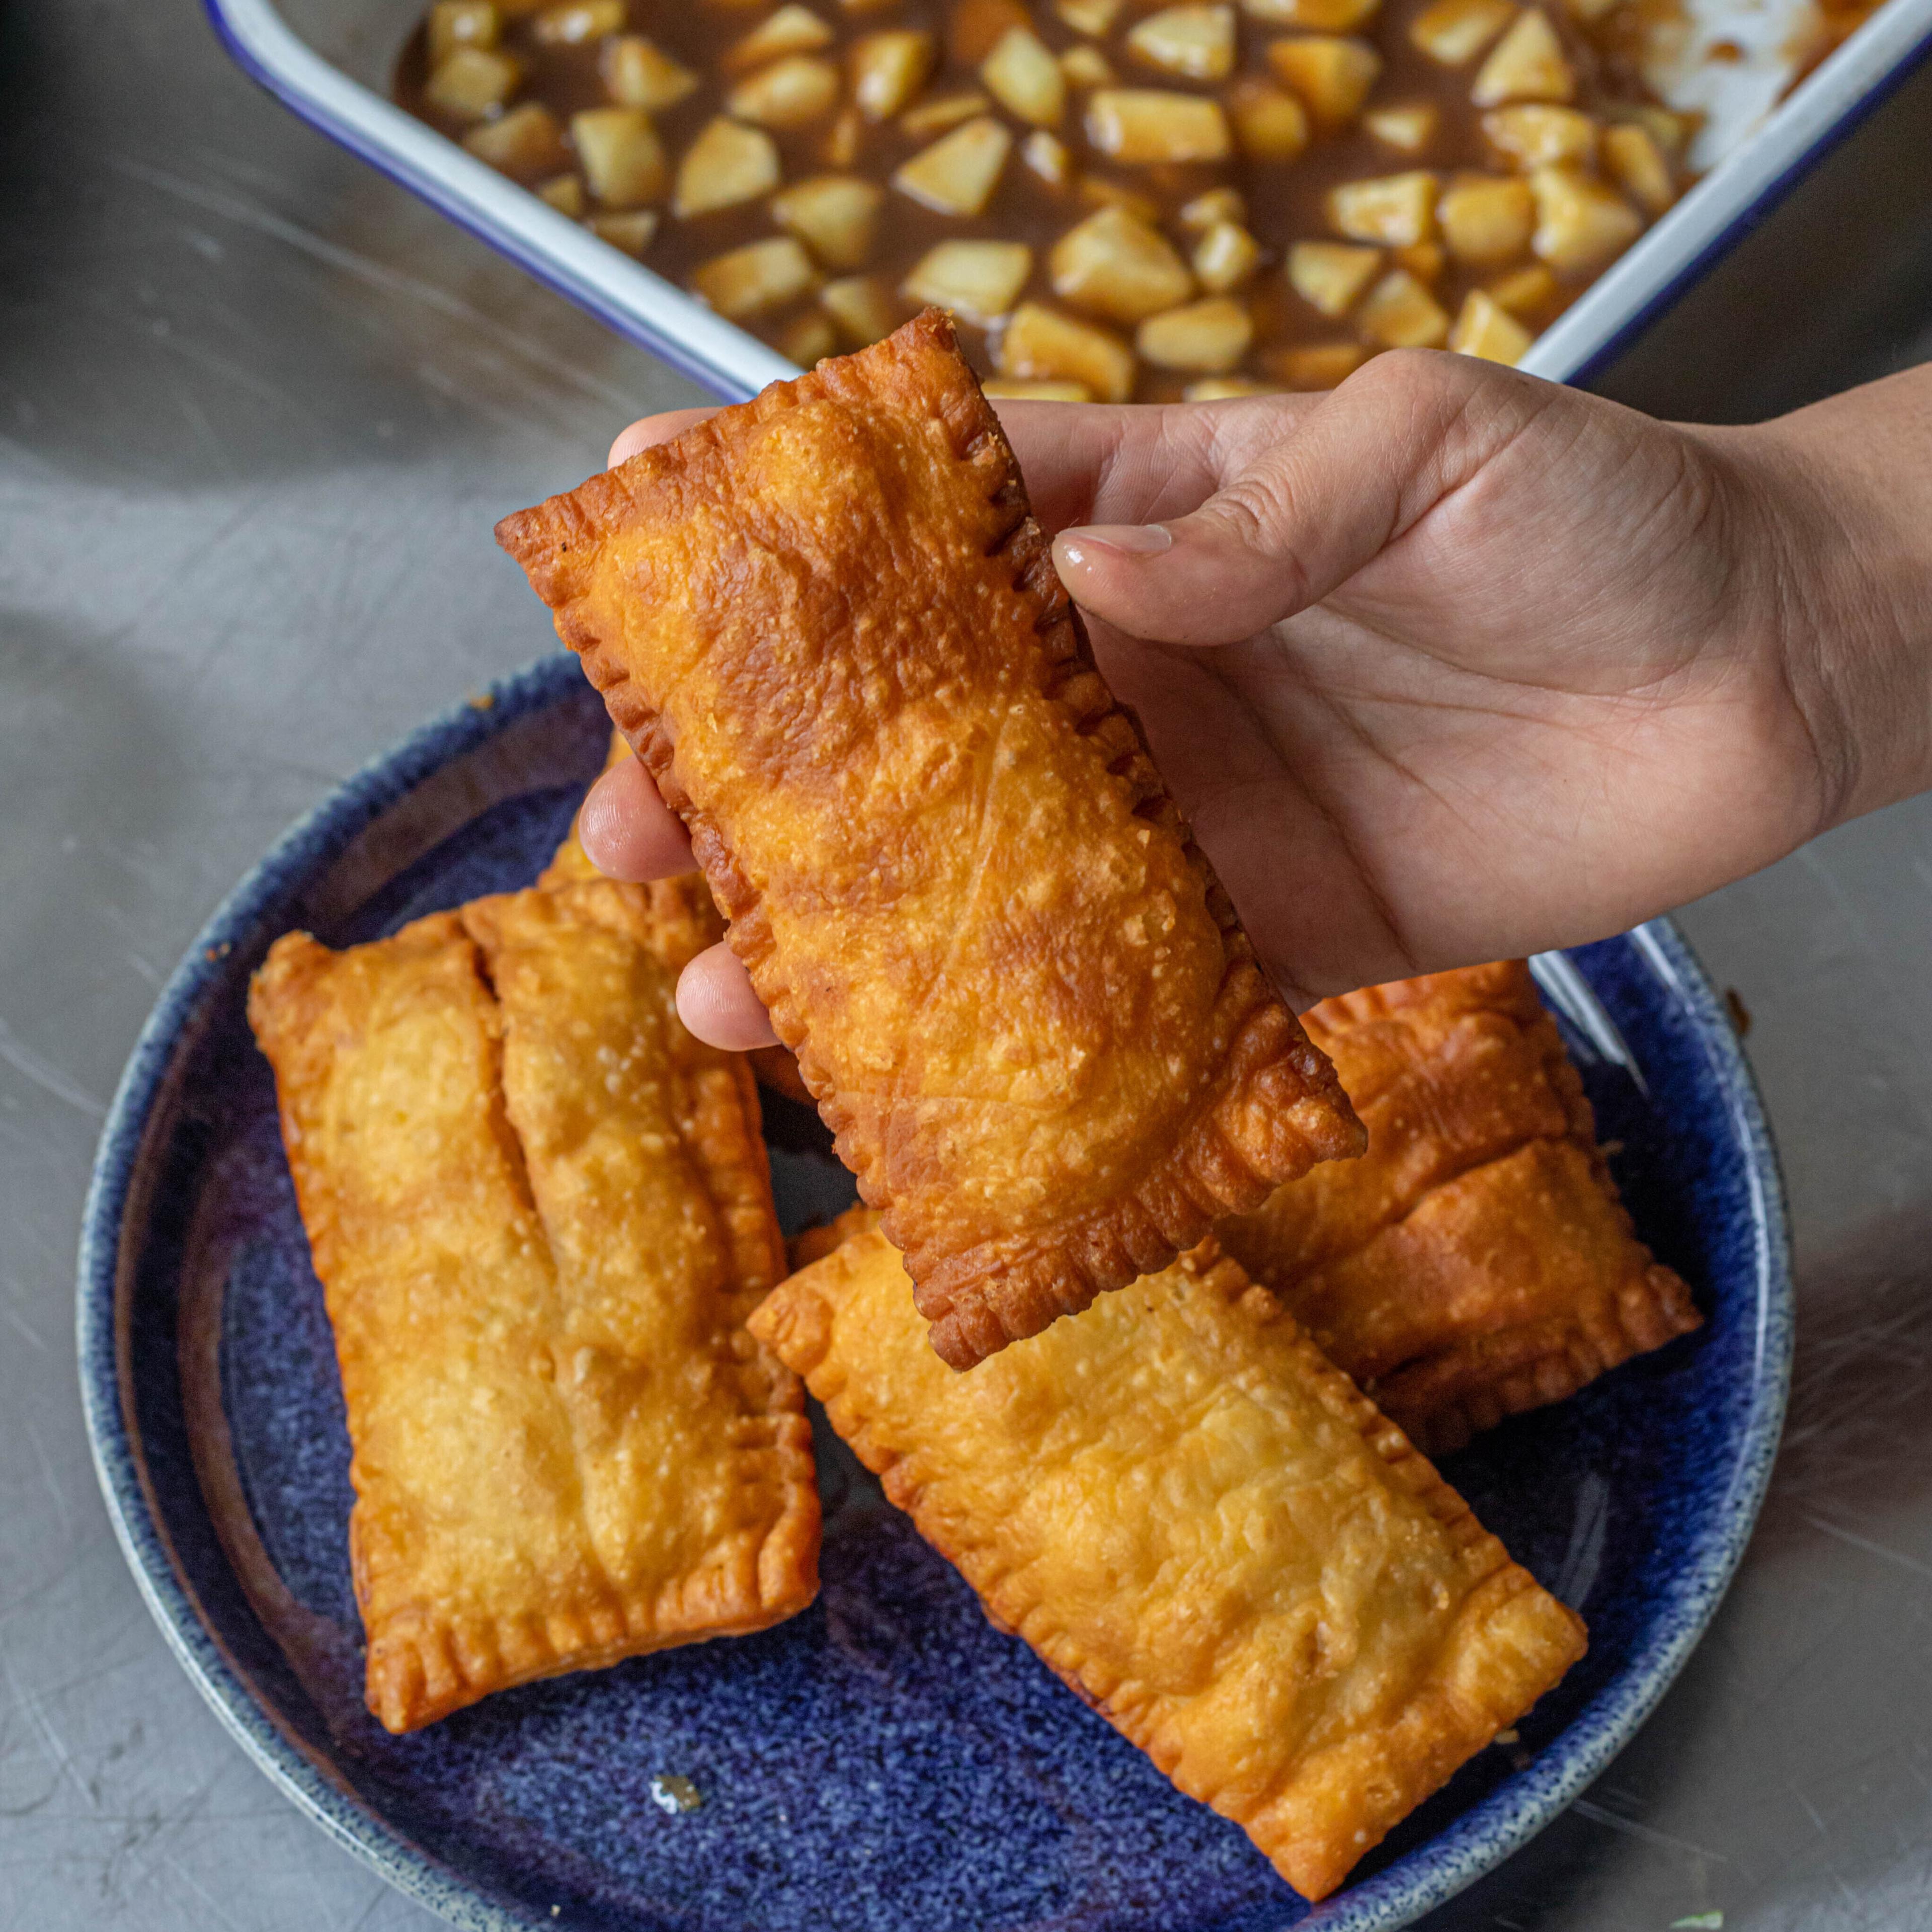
<point>1039,344</point>
<point>979,281</point>
<point>834,215</point>
<point>1195,42</point>
<point>1148,125</point>
<point>1330,275</point>
<point>1117,266</point>
<point>957,174</point>
<point>755,279</point>
<point>727,165</point>
<point>1485,328</point>
<point>1209,338</point>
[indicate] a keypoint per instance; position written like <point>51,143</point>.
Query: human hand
<point>1452,665</point>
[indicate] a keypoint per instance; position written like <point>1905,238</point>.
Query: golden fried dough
<point>1206,1531</point>
<point>539,1217</point>
<point>1025,1006</point>
<point>1477,1261</point>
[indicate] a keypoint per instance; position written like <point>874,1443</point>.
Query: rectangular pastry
<point>1207,1531</point>
<point>1026,1008</point>
<point>540,1214</point>
<point>1477,1261</point>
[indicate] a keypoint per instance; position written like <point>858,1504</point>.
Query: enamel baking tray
<point>331,60</point>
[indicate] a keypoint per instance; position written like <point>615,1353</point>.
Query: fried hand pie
<point>1477,1261</point>
<point>540,1214</point>
<point>1025,1006</point>
<point>1205,1529</point>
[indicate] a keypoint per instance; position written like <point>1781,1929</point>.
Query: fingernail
<point>1087,546</point>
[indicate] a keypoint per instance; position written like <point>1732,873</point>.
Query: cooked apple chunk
<point>834,215</point>
<point>1486,219</point>
<point>1530,293</point>
<point>979,281</point>
<point>1194,42</point>
<point>1148,125</point>
<point>526,142</point>
<point>1117,265</point>
<point>791,93</point>
<point>1086,67</point>
<point>1424,260</point>
<point>1487,329</point>
<point>1224,257</point>
<point>1040,345</point>
<point>472,83</point>
<point>1021,74</point>
<point>1046,154</point>
<point>757,278</point>
<point>807,339</point>
<point>957,175</point>
<point>1398,312</point>
<point>1331,74</point>
<point>935,117</point>
<point>1527,64</point>
<point>1208,210</point>
<point>1227,389</point>
<point>632,231</point>
<point>1206,337</point>
<point>1393,209</point>
<point>564,193</point>
<point>1270,123</point>
<point>638,73</point>
<point>623,157</point>
<point>1316,365</point>
<point>1581,225</point>
<point>862,307</point>
<point>1452,33</point>
<point>1089,16</point>
<point>889,69</point>
<point>1330,275</point>
<point>791,30</point>
<point>843,139</point>
<point>1407,129</point>
<point>1669,131</point>
<point>1536,137</point>
<point>460,23</point>
<point>581,20</point>
<point>1320,16</point>
<point>1005,389</point>
<point>727,165</point>
<point>1632,160</point>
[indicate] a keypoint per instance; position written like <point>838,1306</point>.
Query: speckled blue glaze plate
<point>887,1762</point>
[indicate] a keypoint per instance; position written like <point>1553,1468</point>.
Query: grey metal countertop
<point>258,410</point>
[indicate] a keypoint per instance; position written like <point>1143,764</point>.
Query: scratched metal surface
<point>257,412</point>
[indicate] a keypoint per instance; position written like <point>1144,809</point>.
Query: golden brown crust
<point>540,1212</point>
<point>1206,1531</point>
<point>1025,1006</point>
<point>1477,1261</point>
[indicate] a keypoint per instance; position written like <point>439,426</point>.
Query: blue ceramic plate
<point>887,1762</point>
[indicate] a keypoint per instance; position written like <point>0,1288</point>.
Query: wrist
<point>1836,584</point>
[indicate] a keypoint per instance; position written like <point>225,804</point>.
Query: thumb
<point>1305,511</point>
